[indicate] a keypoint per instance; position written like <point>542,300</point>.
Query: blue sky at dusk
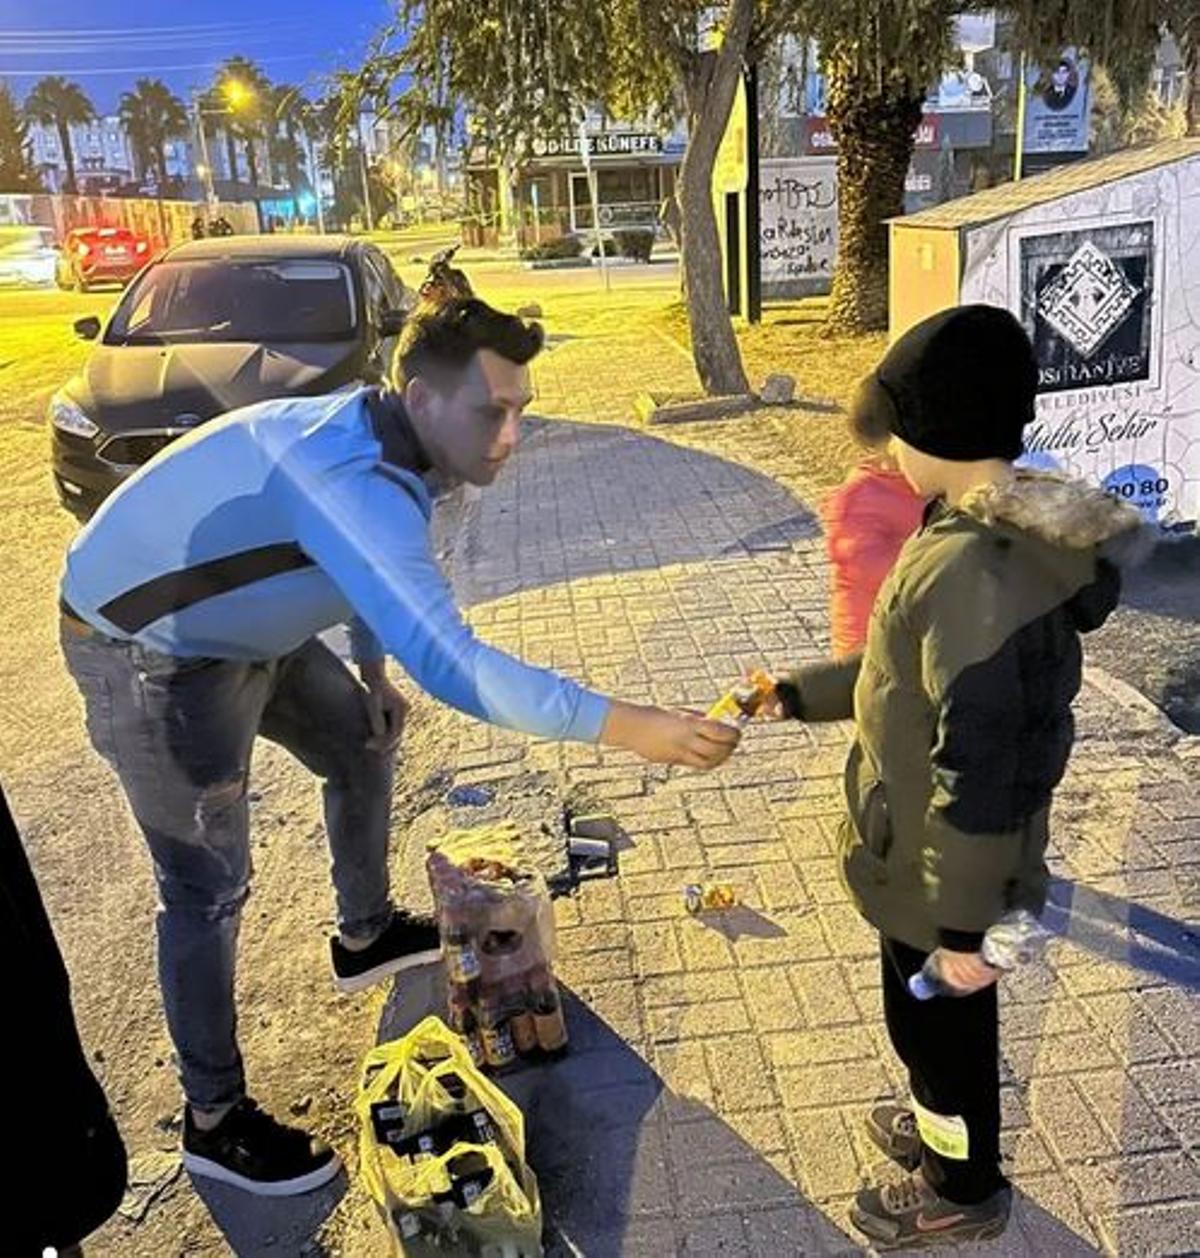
<point>104,45</point>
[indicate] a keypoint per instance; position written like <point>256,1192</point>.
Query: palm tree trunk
<point>251,160</point>
<point>293,157</point>
<point>64,140</point>
<point>874,132</point>
<point>710,87</point>
<point>160,157</point>
<point>231,154</point>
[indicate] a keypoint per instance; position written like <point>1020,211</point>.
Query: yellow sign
<point>731,170</point>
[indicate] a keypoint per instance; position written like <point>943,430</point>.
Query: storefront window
<point>628,197</point>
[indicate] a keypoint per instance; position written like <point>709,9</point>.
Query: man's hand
<point>386,708</point>
<point>664,737</point>
<point>965,972</point>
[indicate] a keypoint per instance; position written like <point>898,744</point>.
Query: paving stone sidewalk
<point>713,1101</point>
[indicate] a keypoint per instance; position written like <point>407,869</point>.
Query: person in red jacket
<point>867,519</point>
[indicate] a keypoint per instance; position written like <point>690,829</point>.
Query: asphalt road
<point>1153,641</point>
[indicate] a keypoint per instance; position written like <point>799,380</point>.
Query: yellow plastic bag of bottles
<point>467,1201</point>
<point>442,1151</point>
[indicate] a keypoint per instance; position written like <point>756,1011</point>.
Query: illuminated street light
<point>237,93</point>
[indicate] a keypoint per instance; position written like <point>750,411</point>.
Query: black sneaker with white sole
<point>249,1149</point>
<point>407,941</point>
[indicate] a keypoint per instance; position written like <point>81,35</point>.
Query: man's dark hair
<point>439,341</point>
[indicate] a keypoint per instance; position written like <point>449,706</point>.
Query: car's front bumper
<point>81,480</point>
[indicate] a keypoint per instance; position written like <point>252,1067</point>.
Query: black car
<point>214,325</point>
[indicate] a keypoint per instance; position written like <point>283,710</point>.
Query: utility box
<point>1100,260</point>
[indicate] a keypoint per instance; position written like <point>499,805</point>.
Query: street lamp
<point>315,178</point>
<point>237,94</point>
<point>204,169</point>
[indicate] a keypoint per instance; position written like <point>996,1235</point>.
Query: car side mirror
<point>391,323</point>
<point>87,329</point>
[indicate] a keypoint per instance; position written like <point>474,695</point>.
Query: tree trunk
<point>251,160</point>
<point>293,157</point>
<point>231,155</point>
<point>160,158</point>
<point>709,87</point>
<point>64,141</point>
<point>874,132</point>
<point>1190,42</point>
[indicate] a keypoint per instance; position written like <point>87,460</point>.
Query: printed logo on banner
<point>1087,300</point>
<point>1142,486</point>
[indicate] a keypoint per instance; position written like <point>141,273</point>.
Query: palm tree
<point>290,116</point>
<point>17,173</point>
<point>56,102</point>
<point>243,92</point>
<point>880,59</point>
<point>152,114</point>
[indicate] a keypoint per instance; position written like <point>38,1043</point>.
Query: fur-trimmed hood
<point>1064,512</point>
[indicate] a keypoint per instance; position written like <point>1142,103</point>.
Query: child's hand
<point>965,972</point>
<point>772,706</point>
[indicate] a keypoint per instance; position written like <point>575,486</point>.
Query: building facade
<point>103,155</point>
<point>105,159</point>
<point>549,194</point>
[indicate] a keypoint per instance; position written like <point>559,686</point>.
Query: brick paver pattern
<point>713,1102</point>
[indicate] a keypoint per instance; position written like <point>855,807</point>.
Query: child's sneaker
<point>910,1215</point>
<point>894,1129</point>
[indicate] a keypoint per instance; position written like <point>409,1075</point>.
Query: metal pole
<point>1019,152</point>
<point>594,192</point>
<point>366,185</point>
<point>314,172</point>
<point>208,173</point>
<point>753,242</point>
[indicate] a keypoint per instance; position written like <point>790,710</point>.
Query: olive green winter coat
<point>962,702</point>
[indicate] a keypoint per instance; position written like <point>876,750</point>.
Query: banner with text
<point>1114,333</point>
<point>798,225</point>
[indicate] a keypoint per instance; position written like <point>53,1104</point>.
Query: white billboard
<point>1107,282</point>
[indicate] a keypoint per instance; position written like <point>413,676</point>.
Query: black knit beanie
<point>960,385</point>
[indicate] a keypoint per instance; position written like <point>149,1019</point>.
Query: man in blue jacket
<point>190,609</point>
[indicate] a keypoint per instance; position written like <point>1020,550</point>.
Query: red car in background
<point>100,255</point>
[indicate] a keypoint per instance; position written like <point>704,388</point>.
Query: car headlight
<point>67,416</point>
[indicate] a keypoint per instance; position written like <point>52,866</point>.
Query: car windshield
<point>210,301</point>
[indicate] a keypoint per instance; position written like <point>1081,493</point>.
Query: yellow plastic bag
<point>500,843</point>
<point>423,1107</point>
<point>469,1201</point>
